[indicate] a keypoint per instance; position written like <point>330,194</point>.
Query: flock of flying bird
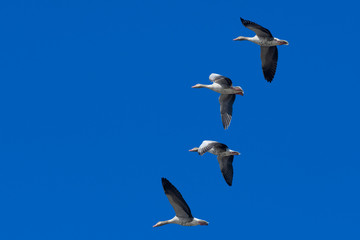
<point>225,156</point>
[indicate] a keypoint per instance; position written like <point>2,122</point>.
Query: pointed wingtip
<point>164,180</point>
<point>166,184</point>
<point>269,79</point>
<point>226,123</point>
<point>229,182</point>
<point>269,76</point>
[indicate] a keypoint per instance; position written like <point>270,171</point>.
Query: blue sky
<point>97,106</point>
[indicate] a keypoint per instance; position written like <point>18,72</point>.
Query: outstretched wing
<point>226,108</point>
<point>181,208</point>
<point>226,168</point>
<point>269,58</point>
<point>206,146</point>
<point>259,30</point>
<point>221,80</point>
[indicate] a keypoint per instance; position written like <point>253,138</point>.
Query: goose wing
<point>259,30</point>
<point>181,208</point>
<point>221,80</point>
<point>206,146</point>
<point>269,58</point>
<point>226,167</point>
<point>226,108</point>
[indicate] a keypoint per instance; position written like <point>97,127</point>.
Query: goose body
<point>263,42</point>
<point>225,157</point>
<point>183,215</point>
<point>223,85</point>
<point>182,221</point>
<point>268,49</point>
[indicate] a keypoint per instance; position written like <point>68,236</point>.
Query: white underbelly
<point>219,89</point>
<point>263,42</point>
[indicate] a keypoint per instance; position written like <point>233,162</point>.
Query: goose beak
<point>203,223</point>
<point>193,150</point>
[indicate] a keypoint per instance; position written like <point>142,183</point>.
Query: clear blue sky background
<point>96,107</point>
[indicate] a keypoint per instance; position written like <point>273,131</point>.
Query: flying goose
<point>224,86</point>
<point>268,49</point>
<point>183,215</point>
<point>225,157</point>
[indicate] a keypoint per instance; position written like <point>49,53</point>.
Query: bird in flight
<point>225,157</point>
<point>223,85</point>
<point>268,49</point>
<point>183,214</point>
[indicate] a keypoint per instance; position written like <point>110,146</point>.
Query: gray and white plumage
<point>268,49</point>
<point>225,157</point>
<point>221,80</point>
<point>223,85</point>
<point>183,214</point>
<point>226,108</point>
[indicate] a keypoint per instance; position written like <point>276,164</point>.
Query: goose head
<point>234,152</point>
<point>195,149</point>
<point>161,223</point>
<point>281,42</point>
<point>198,86</point>
<point>203,222</point>
<point>240,38</point>
<point>239,90</point>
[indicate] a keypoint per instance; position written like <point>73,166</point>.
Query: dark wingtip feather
<point>166,185</point>
<point>164,181</point>
<point>269,74</point>
<point>268,79</point>
<point>246,22</point>
<point>228,181</point>
<point>243,21</point>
